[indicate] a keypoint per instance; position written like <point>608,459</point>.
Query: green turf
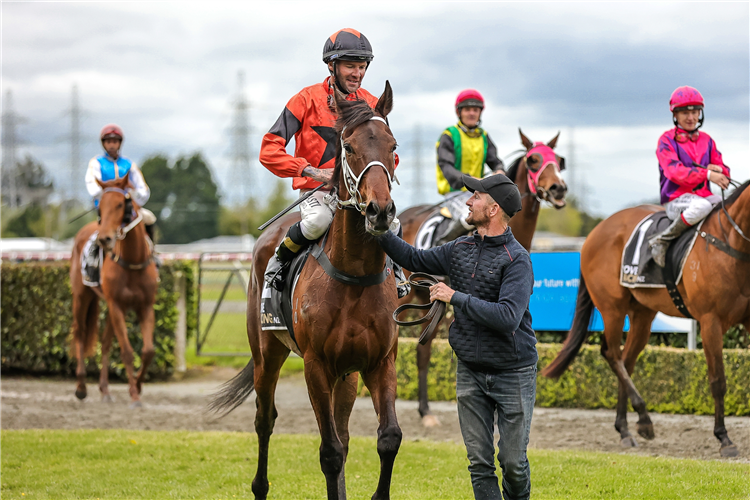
<point>144,464</point>
<point>228,333</point>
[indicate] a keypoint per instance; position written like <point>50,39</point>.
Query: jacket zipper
<point>473,274</point>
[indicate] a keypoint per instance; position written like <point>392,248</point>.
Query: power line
<point>10,121</point>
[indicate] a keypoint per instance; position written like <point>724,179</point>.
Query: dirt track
<point>50,404</point>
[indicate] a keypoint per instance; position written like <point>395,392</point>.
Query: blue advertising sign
<point>553,303</point>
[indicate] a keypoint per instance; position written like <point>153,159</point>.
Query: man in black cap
<point>491,284</point>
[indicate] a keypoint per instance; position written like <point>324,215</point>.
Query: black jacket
<point>493,280</point>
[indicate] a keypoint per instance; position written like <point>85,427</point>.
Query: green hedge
<point>670,380</point>
<point>36,311</point>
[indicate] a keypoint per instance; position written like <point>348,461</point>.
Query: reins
<point>436,308</point>
<point>724,245</point>
<point>122,233</point>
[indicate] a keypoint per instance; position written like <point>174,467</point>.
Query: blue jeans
<point>510,396</point>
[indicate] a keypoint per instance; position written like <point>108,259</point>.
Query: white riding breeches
<point>693,208</point>
<point>458,208</point>
<point>317,214</point>
<point>148,216</point>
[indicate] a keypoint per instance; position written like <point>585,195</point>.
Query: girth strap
<point>668,274</point>
<point>436,308</point>
<point>344,277</point>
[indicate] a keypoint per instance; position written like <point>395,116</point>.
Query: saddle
<point>276,306</point>
<point>432,227</point>
<point>638,269</point>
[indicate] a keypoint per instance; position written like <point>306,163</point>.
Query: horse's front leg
<point>147,321</point>
<point>106,348</point>
<point>712,335</point>
<point>424,353</point>
<point>117,317</point>
<point>382,385</point>
<point>320,389</point>
<point>344,395</point>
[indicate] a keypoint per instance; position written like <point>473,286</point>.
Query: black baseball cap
<point>503,190</point>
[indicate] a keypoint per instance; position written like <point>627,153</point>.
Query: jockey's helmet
<point>111,131</point>
<point>469,98</point>
<point>347,45</point>
<point>685,98</point>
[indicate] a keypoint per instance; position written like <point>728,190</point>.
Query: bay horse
<point>715,288</point>
<point>340,329</point>
<point>537,184</point>
<point>128,282</point>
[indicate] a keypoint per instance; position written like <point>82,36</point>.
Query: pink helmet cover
<point>683,97</point>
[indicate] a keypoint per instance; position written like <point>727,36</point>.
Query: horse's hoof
<point>135,404</point>
<point>646,431</point>
<point>81,394</point>
<point>106,398</point>
<point>430,421</point>
<point>730,451</point>
<point>629,442</point>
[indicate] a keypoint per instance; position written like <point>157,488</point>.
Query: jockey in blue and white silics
<point>107,167</point>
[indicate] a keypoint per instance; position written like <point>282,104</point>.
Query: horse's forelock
<point>350,114</point>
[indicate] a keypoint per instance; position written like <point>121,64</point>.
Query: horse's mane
<point>513,169</point>
<point>732,197</point>
<point>350,114</point>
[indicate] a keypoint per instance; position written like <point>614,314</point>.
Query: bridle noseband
<point>352,181</point>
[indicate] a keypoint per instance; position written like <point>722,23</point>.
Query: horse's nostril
<point>390,209</point>
<point>372,210</point>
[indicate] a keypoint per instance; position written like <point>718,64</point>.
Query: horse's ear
<point>385,103</point>
<point>525,140</point>
<point>101,184</point>
<point>338,99</point>
<point>553,142</point>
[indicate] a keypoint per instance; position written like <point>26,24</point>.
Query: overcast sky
<point>600,72</point>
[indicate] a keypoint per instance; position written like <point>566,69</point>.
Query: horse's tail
<point>234,392</point>
<point>577,335</point>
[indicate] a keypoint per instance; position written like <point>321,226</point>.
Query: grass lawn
<point>144,464</point>
<point>228,333</point>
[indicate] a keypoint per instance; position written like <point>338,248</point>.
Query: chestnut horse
<point>528,173</point>
<point>128,282</point>
<point>340,329</point>
<point>716,291</point>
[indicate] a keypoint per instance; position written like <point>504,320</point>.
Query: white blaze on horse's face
<point>368,163</point>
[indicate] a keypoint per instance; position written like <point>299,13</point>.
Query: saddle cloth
<point>638,269</point>
<point>276,306</point>
<point>431,228</point>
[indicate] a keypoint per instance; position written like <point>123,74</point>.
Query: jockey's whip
<point>70,221</point>
<point>731,181</point>
<point>287,209</point>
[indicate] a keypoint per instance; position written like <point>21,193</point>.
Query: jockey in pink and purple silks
<point>685,192</point>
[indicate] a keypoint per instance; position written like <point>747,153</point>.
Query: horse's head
<point>546,183</point>
<point>115,210</point>
<point>366,160</point>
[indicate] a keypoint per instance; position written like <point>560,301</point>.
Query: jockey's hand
<point>717,176</point>
<point>441,292</point>
<point>318,174</point>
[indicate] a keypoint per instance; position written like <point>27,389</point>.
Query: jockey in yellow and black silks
<point>464,148</point>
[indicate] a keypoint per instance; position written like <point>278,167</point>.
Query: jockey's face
<point>112,146</point>
<point>687,119</point>
<point>350,74</point>
<point>470,115</point>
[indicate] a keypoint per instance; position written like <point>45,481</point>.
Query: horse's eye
<point>394,147</point>
<point>348,148</point>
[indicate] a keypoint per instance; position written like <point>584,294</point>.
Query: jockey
<point>463,148</point>
<point>309,117</point>
<point>104,168</point>
<point>685,191</point>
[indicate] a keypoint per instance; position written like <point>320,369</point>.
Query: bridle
<point>352,181</point>
<point>546,157</point>
<point>128,223</point>
<point>724,245</point>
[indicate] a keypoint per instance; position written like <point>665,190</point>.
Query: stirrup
<point>275,274</point>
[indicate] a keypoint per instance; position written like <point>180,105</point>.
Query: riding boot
<point>91,263</point>
<point>453,231</point>
<point>660,243</point>
<point>279,264</point>
<point>402,284</point>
